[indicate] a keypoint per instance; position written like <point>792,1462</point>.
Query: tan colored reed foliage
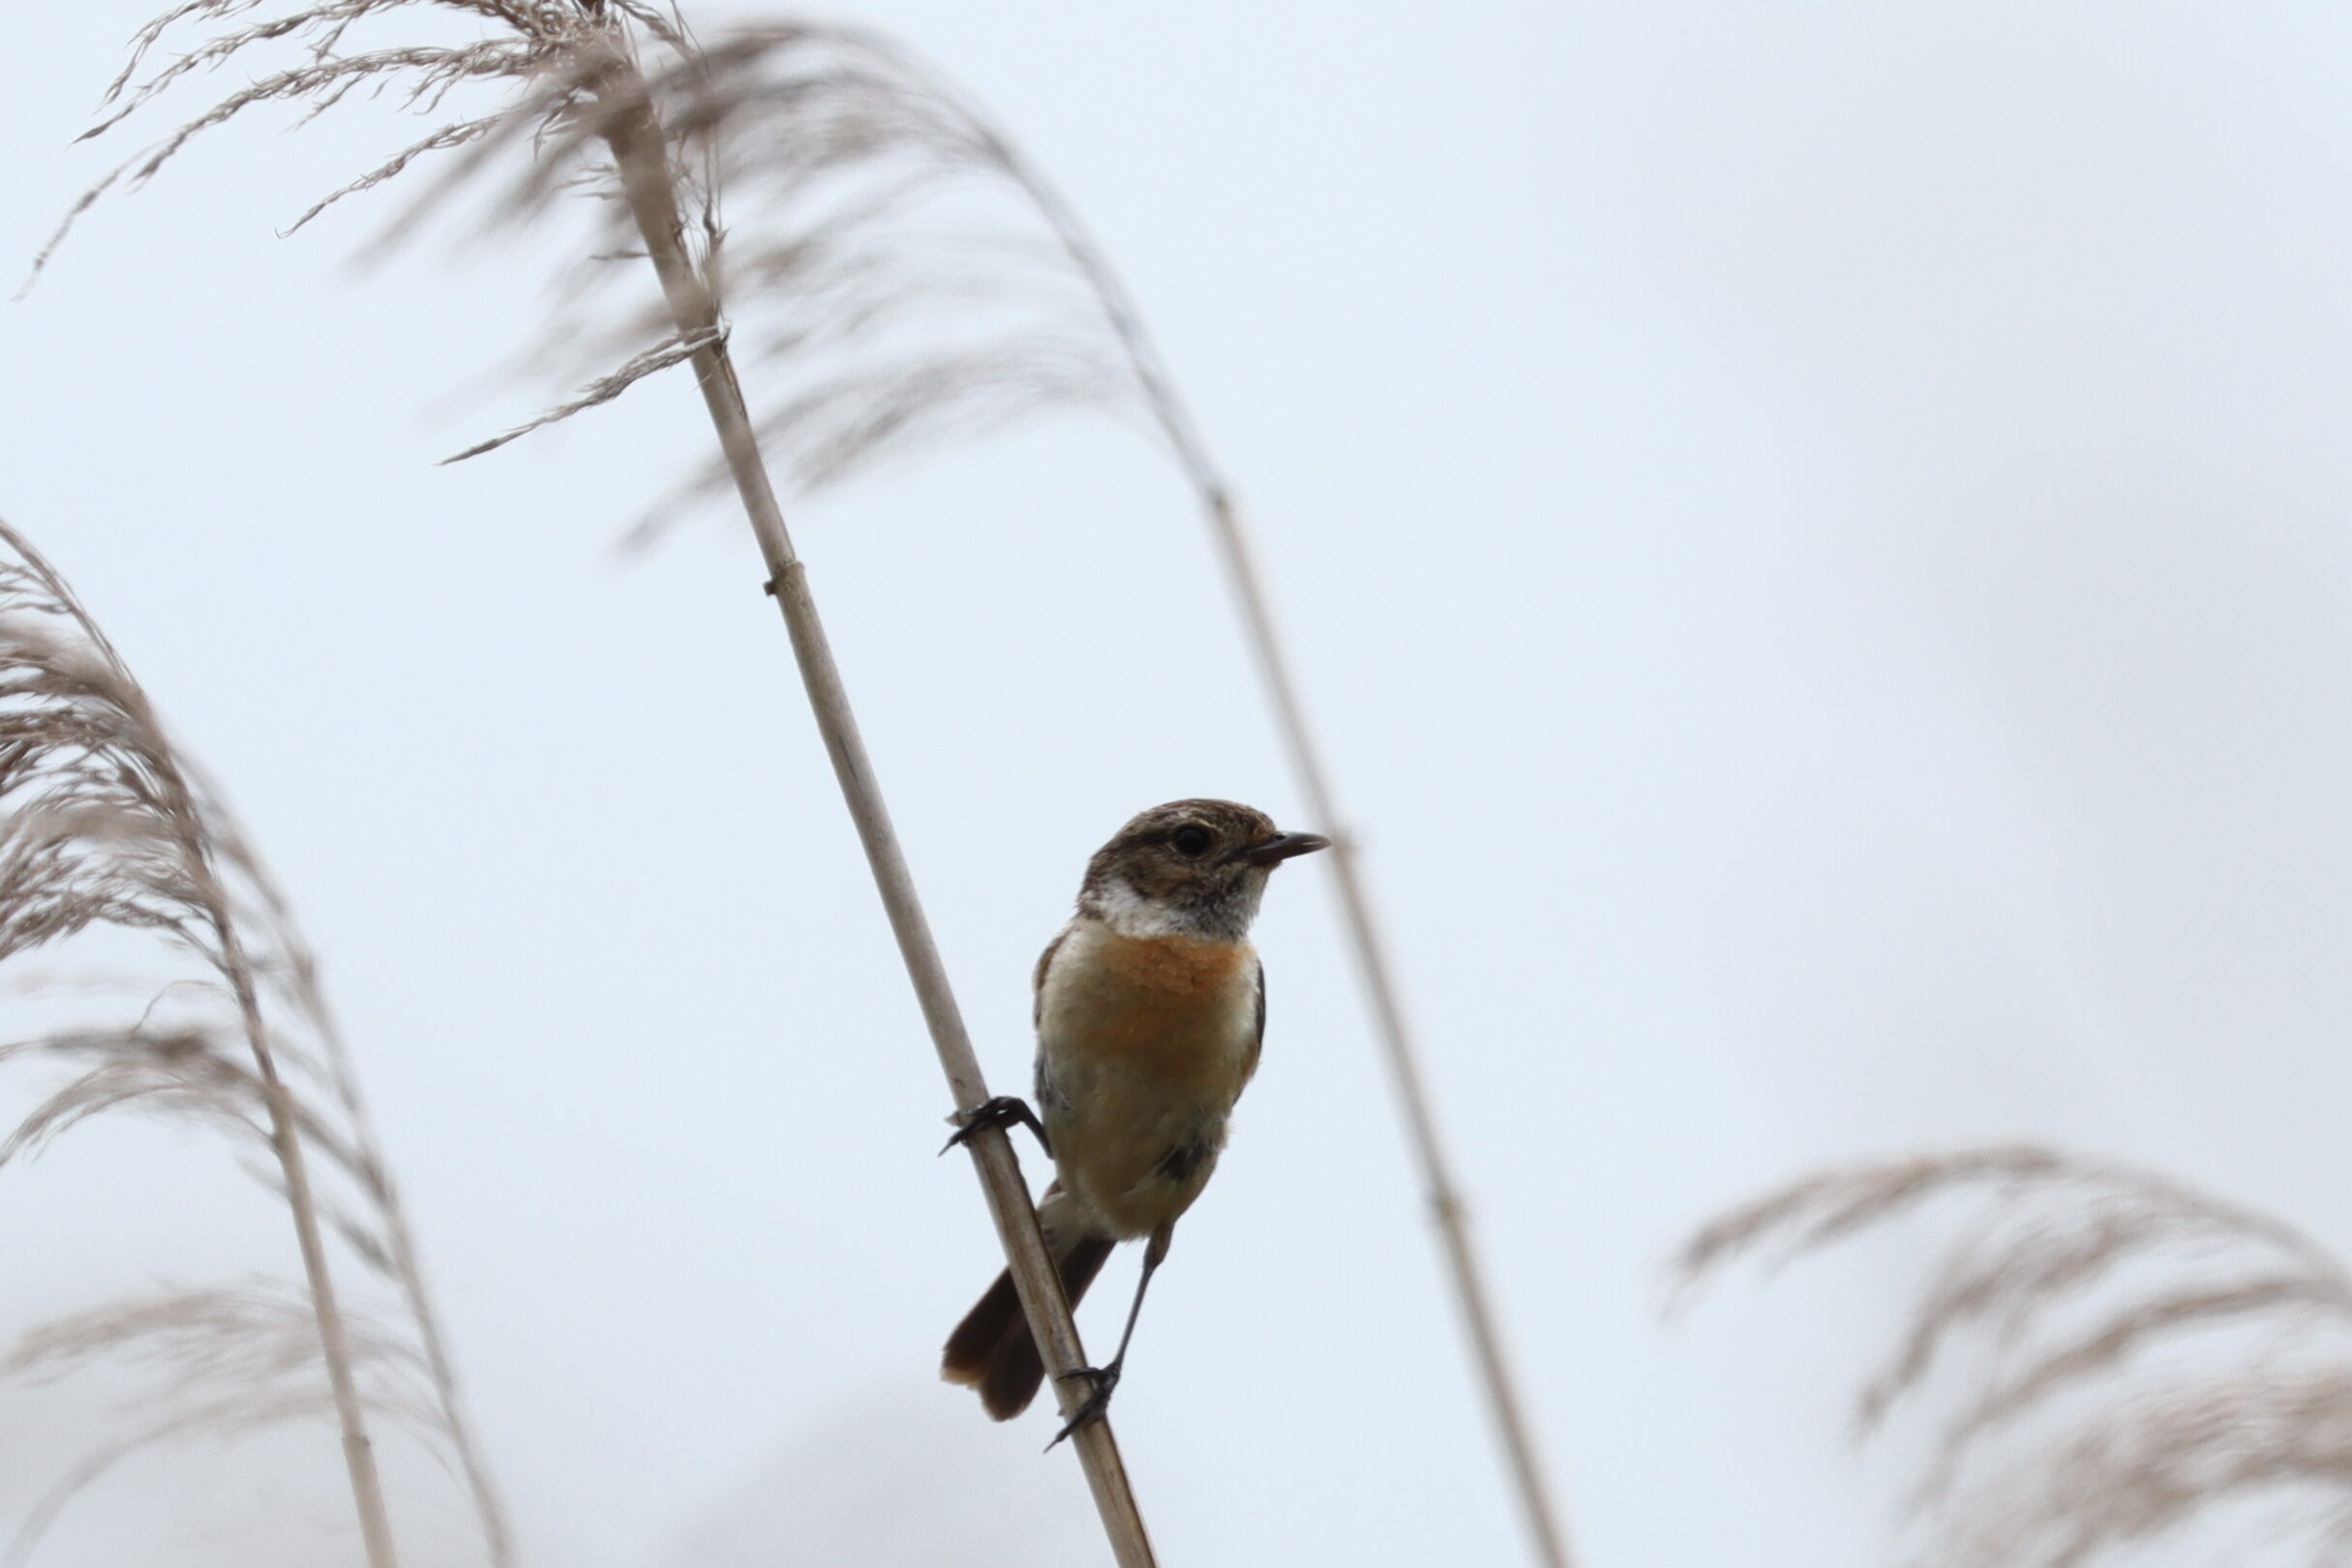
<point>2105,1355</point>
<point>877,277</point>
<point>111,843</point>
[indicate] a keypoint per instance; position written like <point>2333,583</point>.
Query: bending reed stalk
<point>286,1143</point>
<point>640,153</point>
<point>1505,1405</point>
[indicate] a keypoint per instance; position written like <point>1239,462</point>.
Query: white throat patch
<point>1131,914</point>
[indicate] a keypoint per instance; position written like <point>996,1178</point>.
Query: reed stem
<point>286,1142</point>
<point>641,155</point>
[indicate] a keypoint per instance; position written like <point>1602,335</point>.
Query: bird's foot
<point>1105,1379</point>
<point>1004,1113</point>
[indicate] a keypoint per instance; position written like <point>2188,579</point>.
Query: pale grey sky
<point>1817,536</point>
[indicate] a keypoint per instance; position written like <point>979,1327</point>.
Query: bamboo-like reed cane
<point>640,153</point>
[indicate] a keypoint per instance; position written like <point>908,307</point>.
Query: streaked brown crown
<point>1191,858</point>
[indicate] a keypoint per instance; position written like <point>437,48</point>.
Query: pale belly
<point>1142,1049</point>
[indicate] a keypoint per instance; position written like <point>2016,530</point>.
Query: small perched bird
<point>1151,1007</point>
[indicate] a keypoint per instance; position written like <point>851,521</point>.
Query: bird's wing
<point>1037,979</point>
<point>1257,1035</point>
<point>1040,1081</point>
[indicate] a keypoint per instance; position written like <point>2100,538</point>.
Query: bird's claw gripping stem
<point>1004,1113</point>
<point>1105,1379</point>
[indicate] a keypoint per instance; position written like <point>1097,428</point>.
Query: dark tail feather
<point>992,1348</point>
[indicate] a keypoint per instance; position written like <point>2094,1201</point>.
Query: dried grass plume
<point>2111,1357</point>
<point>114,849</point>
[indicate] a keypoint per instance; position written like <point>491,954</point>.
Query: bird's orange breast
<point>1172,1007</point>
<point>1179,966</point>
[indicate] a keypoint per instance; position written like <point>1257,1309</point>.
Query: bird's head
<point>1189,869</point>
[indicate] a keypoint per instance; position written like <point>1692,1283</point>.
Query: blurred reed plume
<point>616,99</point>
<point>2113,1357</point>
<point>874,273</point>
<point>114,849</point>
<point>887,301</point>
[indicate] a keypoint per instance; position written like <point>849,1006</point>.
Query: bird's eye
<point>1191,840</point>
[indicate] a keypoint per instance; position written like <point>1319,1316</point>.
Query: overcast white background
<point>1817,537</point>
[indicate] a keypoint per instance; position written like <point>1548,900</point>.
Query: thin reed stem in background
<point>105,832</point>
<point>2121,1356</point>
<point>1507,1404</point>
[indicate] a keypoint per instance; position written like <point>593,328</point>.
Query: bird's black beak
<point>1282,846</point>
